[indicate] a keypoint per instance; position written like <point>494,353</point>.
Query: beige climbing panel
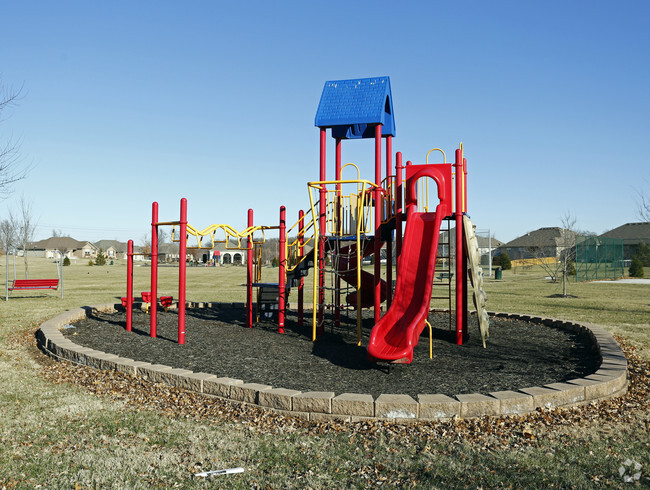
<point>476,278</point>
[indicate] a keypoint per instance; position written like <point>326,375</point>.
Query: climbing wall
<point>476,278</point>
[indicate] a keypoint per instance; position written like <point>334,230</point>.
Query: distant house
<point>112,249</point>
<point>545,242</point>
<point>168,252</point>
<point>228,255</point>
<point>485,245</point>
<point>69,247</point>
<point>632,234</point>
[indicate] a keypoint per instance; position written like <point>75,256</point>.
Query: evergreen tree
<point>636,269</point>
<point>504,261</point>
<point>643,252</point>
<point>66,260</point>
<point>100,259</point>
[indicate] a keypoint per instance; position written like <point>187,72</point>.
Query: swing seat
<point>26,284</point>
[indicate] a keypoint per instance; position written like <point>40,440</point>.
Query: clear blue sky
<point>128,102</point>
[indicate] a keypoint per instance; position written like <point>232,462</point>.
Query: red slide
<point>347,269</point>
<point>394,337</point>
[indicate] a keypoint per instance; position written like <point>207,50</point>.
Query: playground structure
<point>348,220</point>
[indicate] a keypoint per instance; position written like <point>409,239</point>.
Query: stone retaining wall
<point>609,381</point>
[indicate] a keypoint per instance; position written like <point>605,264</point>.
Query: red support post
<point>408,199</point>
<point>282,290</point>
<point>182,269</point>
<point>389,205</point>
<point>464,185</point>
<point>460,256</point>
<point>322,220</point>
<point>377,244</point>
<point>301,252</point>
<point>465,328</point>
<point>398,204</point>
<point>249,274</point>
<point>337,287</point>
<point>154,270</point>
<point>129,286</point>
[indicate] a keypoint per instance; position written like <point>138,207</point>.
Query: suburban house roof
<point>631,233</point>
<point>59,243</point>
<point>106,244</point>
<point>168,248</point>
<point>482,241</point>
<point>544,237</point>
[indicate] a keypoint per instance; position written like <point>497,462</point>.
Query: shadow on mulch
<point>518,354</point>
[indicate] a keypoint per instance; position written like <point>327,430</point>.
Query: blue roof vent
<point>353,107</point>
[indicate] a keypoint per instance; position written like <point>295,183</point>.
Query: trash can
<point>497,273</point>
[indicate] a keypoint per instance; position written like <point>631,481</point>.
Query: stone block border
<point>609,381</point>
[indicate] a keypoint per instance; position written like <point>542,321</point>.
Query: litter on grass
<point>228,471</point>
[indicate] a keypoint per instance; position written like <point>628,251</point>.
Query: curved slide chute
<point>396,334</point>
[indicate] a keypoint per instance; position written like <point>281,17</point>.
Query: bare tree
<point>26,229</point>
<point>145,243</point>
<point>644,207</point>
<point>163,235</point>
<point>11,168</point>
<point>555,251</point>
<point>8,233</point>
<point>568,243</point>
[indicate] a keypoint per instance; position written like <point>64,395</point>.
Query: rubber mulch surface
<point>518,354</point>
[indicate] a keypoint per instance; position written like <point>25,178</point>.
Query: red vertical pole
<point>182,269</point>
<point>377,244</point>
<point>129,286</point>
<point>249,274</point>
<point>398,204</point>
<point>465,329</point>
<point>282,290</point>
<point>464,185</point>
<point>337,287</point>
<point>460,278</point>
<point>390,207</point>
<point>408,199</point>
<point>154,269</point>
<point>322,230</point>
<point>301,252</point>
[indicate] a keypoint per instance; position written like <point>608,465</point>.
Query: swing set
<point>32,284</point>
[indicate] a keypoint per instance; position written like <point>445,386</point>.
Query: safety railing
<point>346,213</point>
<point>389,188</point>
<point>296,246</point>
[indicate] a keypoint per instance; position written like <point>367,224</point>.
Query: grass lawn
<point>107,430</point>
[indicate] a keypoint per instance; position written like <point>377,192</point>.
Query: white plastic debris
<point>228,471</point>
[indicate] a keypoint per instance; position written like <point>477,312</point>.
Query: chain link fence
<point>599,258</point>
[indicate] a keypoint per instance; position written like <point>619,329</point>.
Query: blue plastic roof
<point>352,107</point>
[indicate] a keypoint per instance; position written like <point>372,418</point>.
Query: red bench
<point>25,284</point>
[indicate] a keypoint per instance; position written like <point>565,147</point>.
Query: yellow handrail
<point>444,156</point>
<point>353,165</point>
<point>430,339</point>
<point>293,247</point>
